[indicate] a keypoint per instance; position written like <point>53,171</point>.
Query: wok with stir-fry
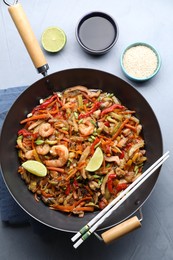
<point>63,132</point>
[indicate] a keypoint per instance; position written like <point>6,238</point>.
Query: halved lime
<point>53,39</point>
<point>95,161</point>
<point>35,167</point>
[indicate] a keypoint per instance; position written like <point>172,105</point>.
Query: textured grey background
<point>148,21</point>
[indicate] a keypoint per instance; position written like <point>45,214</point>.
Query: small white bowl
<point>140,64</point>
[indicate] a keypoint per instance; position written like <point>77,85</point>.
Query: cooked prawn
<point>61,151</point>
<point>29,155</point>
<point>86,127</point>
<point>45,130</point>
<point>35,124</point>
<point>43,149</point>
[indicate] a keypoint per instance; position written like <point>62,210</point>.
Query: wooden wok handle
<point>23,26</point>
<point>121,229</point>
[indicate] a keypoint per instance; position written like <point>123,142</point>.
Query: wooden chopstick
<point>92,225</point>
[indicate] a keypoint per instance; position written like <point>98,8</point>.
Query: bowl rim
<point>141,44</point>
<point>98,14</point>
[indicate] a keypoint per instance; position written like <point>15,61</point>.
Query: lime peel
<point>35,167</point>
<point>96,160</point>
<point>53,39</point>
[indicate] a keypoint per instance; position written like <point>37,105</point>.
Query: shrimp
<point>29,155</point>
<point>35,124</point>
<point>62,152</point>
<point>43,149</point>
<point>45,130</point>
<point>86,127</point>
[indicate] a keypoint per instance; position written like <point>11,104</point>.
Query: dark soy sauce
<point>97,33</point>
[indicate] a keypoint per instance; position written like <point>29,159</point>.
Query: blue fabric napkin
<point>10,211</point>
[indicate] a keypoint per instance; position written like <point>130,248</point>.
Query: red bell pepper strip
<point>95,107</point>
<point>107,149</point>
<point>121,186</point>
<point>96,141</point>
<point>67,191</point>
<point>107,123</point>
<point>24,132</point>
<point>75,183</point>
<point>46,195</point>
<point>47,102</point>
<point>110,182</point>
<point>111,108</point>
<point>121,156</point>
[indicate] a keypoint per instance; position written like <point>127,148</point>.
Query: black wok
<point>59,81</point>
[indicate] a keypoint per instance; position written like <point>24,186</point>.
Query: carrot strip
<point>63,131</point>
<point>62,208</point>
<point>89,190</point>
<point>85,108</point>
<point>81,165</point>
<point>54,112</point>
<point>79,147</point>
<point>71,174</point>
<point>55,169</point>
<point>115,150</point>
<point>87,208</point>
<point>74,151</point>
<point>83,199</point>
<point>120,128</point>
<point>33,118</point>
<point>68,208</point>
<point>40,116</point>
<point>46,195</point>
<point>51,112</point>
<point>65,106</point>
<point>52,103</point>
<point>58,178</point>
<point>103,137</point>
<point>131,127</point>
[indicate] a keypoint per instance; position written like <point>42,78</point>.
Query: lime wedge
<point>53,39</point>
<point>95,161</point>
<point>35,167</point>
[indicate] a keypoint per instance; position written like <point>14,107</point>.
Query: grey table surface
<point>147,21</point>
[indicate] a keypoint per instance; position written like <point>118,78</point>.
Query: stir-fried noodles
<point>63,132</point>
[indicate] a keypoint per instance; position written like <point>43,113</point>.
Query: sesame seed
<point>140,61</point>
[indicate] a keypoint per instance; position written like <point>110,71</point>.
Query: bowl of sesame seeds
<point>140,61</point>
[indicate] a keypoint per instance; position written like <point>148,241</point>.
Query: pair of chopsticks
<point>92,225</point>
